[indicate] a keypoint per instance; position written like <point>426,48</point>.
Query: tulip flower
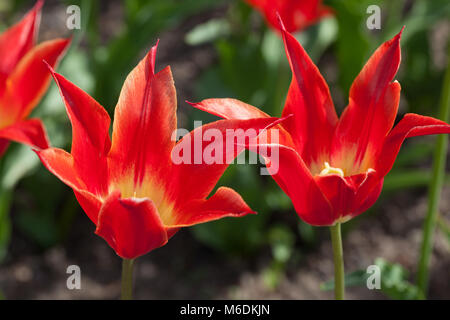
<point>333,168</point>
<point>24,78</point>
<point>129,186</point>
<point>296,14</point>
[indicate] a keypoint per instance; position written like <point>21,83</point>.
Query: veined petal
<point>368,192</point>
<point>224,203</point>
<point>30,79</point>
<point>90,135</point>
<point>230,109</point>
<point>350,196</point>
<point>291,174</point>
<point>17,40</point>
<point>145,119</point>
<point>339,193</point>
<point>411,125</point>
<point>195,170</point>
<point>372,109</point>
<point>234,109</point>
<point>30,132</point>
<point>132,227</point>
<point>314,120</point>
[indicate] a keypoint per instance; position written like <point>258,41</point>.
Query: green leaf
<point>394,281</point>
<point>352,41</point>
<point>207,32</point>
<point>356,278</point>
<point>18,163</point>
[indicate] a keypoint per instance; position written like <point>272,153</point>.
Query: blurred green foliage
<point>393,281</point>
<point>249,65</point>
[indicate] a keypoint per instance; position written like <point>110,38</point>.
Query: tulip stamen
<point>331,170</point>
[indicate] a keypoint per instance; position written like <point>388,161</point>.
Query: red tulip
<point>296,14</point>
<point>333,168</point>
<point>24,79</point>
<point>129,187</point>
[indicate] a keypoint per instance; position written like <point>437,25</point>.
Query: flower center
<point>331,170</point>
<point>148,189</point>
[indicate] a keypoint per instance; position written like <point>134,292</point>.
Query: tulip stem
<point>338,257</point>
<point>127,279</point>
<point>434,192</point>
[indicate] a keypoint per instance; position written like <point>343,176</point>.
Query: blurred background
<point>223,48</point>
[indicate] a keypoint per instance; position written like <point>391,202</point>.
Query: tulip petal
<point>132,227</point>
<point>411,125</point>
<point>30,79</point>
<point>352,195</point>
<point>224,203</point>
<point>194,173</point>
<point>372,109</point>
<point>61,164</point>
<point>340,193</point>
<point>17,40</point>
<point>367,194</point>
<point>90,134</point>
<point>309,99</point>
<point>145,119</point>
<point>90,203</point>
<point>234,109</point>
<point>296,14</point>
<point>291,174</point>
<point>230,109</point>
<point>30,132</point>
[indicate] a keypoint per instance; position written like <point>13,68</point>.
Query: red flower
<point>333,169</point>
<point>296,14</point>
<point>24,79</point>
<point>130,187</point>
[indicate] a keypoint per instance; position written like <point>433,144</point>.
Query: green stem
<point>127,279</point>
<point>434,193</point>
<point>338,257</point>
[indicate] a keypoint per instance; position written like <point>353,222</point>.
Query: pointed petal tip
<point>36,12</point>
<point>70,38</point>
<point>65,42</point>
<point>154,49</point>
<point>50,68</point>
<point>273,124</point>
<point>38,6</point>
<point>280,22</point>
<point>151,56</point>
<point>398,37</point>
